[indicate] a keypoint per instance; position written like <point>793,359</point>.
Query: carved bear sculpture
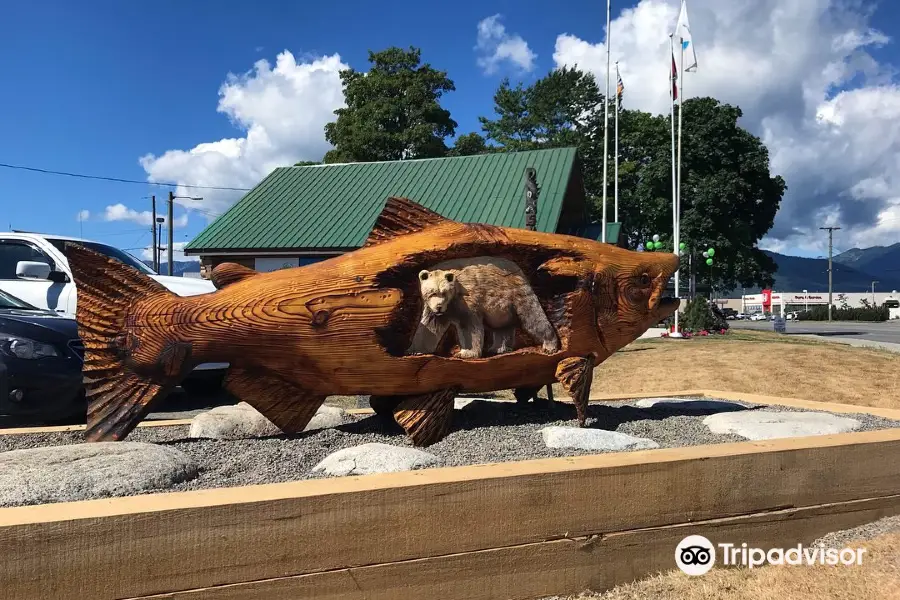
<point>472,293</point>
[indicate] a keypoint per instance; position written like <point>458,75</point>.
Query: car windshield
<point>110,251</point>
<point>10,301</point>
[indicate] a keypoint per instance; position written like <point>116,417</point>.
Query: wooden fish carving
<point>343,326</point>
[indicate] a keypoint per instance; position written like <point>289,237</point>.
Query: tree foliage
<point>393,112</point>
<point>469,144</point>
<point>728,195</point>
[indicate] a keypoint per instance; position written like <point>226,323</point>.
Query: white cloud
<point>83,215</point>
<point>120,212</point>
<point>494,46</point>
<point>281,110</point>
<point>177,253</point>
<point>802,72</point>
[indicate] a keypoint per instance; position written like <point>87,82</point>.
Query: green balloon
<point>711,252</point>
<point>709,261</point>
<point>649,245</point>
<point>682,245</point>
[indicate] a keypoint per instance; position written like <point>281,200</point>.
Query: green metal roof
<point>594,231</point>
<point>335,206</point>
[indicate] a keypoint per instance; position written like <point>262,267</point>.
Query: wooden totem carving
<point>347,325</point>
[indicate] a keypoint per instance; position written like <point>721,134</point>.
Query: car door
<point>41,293</point>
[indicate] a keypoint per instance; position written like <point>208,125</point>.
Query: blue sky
<point>93,86</point>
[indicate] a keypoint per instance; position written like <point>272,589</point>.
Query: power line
<point>120,180</point>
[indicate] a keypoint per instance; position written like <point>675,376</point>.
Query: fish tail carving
<point>118,396</point>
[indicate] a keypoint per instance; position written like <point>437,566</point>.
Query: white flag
<point>683,32</point>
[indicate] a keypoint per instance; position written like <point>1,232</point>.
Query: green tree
<point>558,110</point>
<point>729,198</point>
<point>306,163</point>
<point>562,109</point>
<point>469,144</point>
<point>393,112</point>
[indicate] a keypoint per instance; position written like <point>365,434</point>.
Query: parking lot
<point>887,332</point>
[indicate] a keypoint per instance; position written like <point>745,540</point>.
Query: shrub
<point>870,313</point>
<point>702,315</point>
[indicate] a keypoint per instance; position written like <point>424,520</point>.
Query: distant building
<point>783,302</point>
<point>300,215</point>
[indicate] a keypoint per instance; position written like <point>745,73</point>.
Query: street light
<point>806,300</point>
<point>172,197</point>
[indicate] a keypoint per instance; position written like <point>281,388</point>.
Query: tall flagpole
<point>606,123</point>
<point>673,76</point>
<point>616,149</point>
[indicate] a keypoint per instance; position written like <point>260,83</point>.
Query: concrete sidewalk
<point>889,346</point>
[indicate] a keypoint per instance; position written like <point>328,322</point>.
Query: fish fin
<point>575,375</point>
<point>426,418</point>
<point>228,272</point>
<point>118,398</point>
<point>288,406</point>
<point>401,216</point>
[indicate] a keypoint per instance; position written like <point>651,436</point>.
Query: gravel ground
<point>482,432</point>
<point>840,539</point>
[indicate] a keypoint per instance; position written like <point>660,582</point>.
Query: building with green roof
<point>298,215</point>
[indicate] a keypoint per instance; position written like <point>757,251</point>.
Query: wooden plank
<point>887,413</point>
<point>217,537</point>
<point>549,568</point>
<point>62,428</point>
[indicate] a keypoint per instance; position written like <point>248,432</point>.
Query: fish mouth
<point>666,307</point>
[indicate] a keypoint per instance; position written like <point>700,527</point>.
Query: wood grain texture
<point>207,539</point>
<point>576,376</point>
<point>552,568</point>
<point>426,418</point>
<point>342,326</point>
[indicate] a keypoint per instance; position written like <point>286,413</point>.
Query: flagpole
<point>606,124</point>
<point>616,148</point>
<point>673,93</point>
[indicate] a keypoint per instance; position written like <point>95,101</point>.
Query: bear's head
<point>439,289</point>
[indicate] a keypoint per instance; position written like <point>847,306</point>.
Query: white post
<point>672,86</point>
<point>678,174</point>
<point>616,150</point>
<point>606,123</point>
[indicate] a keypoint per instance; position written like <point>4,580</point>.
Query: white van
<point>34,268</point>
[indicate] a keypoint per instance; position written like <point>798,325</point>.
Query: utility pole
<point>153,231</point>
<point>171,226</point>
<point>873,292</point>
<point>830,231</point>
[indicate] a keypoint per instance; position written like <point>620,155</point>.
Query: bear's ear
<point>423,275</point>
<point>448,277</point>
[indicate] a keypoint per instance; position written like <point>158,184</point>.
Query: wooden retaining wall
<point>511,530</point>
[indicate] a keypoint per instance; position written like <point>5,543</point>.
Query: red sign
<point>767,299</point>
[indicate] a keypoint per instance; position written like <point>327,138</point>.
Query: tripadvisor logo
<point>696,555</point>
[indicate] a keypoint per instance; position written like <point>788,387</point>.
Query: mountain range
<point>852,271</point>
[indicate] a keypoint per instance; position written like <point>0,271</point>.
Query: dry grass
<point>752,362</point>
<point>756,363</point>
<point>877,578</point>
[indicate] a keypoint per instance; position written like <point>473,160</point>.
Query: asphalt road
<point>888,332</point>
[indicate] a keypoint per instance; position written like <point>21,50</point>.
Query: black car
<point>40,364</point>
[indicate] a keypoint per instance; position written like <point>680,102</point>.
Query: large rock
<point>690,404</point>
<point>326,417</point>
<point>593,439</point>
<point>374,458</point>
<point>765,425</point>
<point>241,421</point>
<point>86,471</point>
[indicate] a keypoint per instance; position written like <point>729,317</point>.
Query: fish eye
<point>645,279</point>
